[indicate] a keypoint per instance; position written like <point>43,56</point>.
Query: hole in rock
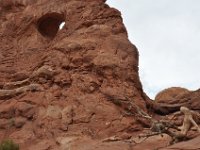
<point>62,25</point>
<point>49,24</point>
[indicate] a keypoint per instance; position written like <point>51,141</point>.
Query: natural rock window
<point>49,24</point>
<point>62,25</point>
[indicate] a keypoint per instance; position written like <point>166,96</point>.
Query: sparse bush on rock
<point>8,145</point>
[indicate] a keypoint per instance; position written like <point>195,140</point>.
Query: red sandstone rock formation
<point>180,96</point>
<point>170,94</point>
<point>69,88</point>
<point>58,83</point>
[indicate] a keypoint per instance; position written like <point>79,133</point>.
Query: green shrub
<point>8,145</point>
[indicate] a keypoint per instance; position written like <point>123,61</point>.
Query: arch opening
<point>61,26</point>
<point>49,24</point>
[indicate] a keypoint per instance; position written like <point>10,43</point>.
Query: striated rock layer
<point>181,96</point>
<point>79,80</point>
<point>170,94</point>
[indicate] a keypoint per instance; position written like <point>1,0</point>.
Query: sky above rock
<point>167,35</point>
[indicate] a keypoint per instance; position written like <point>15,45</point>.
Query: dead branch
<point>188,121</point>
<point>163,127</point>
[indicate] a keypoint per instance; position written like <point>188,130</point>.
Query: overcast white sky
<point>167,35</point>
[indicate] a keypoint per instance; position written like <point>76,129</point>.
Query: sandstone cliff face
<point>77,87</point>
<point>58,83</point>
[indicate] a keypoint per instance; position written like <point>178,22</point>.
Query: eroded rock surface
<point>182,96</point>
<point>74,87</point>
<point>170,94</point>
<point>55,83</point>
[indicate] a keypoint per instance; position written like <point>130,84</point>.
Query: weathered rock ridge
<point>56,83</point>
<point>181,96</point>
<point>71,87</point>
